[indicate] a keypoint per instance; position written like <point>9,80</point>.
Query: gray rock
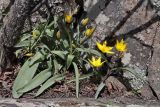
<point>155,3</point>
<point>154,68</point>
<point>126,59</point>
<point>139,55</point>
<point>81,102</point>
<point>137,77</point>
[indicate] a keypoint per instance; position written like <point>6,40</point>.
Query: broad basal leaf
<point>24,76</point>
<point>99,89</point>
<point>36,81</point>
<point>49,83</point>
<point>36,57</point>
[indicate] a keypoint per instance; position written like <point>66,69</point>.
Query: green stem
<point>70,41</point>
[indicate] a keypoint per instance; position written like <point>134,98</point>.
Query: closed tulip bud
<point>58,35</point>
<point>84,22</point>
<point>89,32</point>
<point>35,34</point>
<point>68,19</point>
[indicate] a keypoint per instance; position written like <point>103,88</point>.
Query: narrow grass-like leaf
<point>57,66</point>
<point>23,44</point>
<point>49,63</point>
<point>92,51</point>
<point>25,37</point>
<point>25,74</point>
<point>99,89</point>
<point>84,76</point>
<point>61,54</point>
<point>69,60</point>
<point>77,78</point>
<point>49,83</point>
<point>36,81</point>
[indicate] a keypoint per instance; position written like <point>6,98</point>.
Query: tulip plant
<point>54,48</point>
<point>50,51</point>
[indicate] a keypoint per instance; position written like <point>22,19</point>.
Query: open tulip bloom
<point>96,62</point>
<point>121,46</point>
<point>104,48</point>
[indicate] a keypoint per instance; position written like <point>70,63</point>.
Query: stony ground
<point>82,102</point>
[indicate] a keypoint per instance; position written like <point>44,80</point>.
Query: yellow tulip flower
<point>85,21</point>
<point>89,32</point>
<point>35,34</point>
<point>96,62</point>
<point>68,18</point>
<point>104,48</point>
<point>58,35</point>
<point>121,46</point>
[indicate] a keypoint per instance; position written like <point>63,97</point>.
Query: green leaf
<point>65,43</point>
<point>25,37</point>
<point>61,54</point>
<point>44,46</point>
<point>53,23</point>
<point>57,66</point>
<point>36,57</point>
<point>84,76</point>
<point>18,52</point>
<point>77,78</point>
<point>25,74</point>
<point>49,83</point>
<point>36,81</point>
<point>49,32</point>
<point>23,43</point>
<point>49,63</point>
<point>69,60</point>
<point>92,51</point>
<point>100,87</point>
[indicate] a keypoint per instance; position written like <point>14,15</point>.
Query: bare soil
<point>88,88</point>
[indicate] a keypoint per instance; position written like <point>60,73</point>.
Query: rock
<point>89,4</point>
<point>4,4</point>
<point>154,67</point>
<point>137,78</point>
<point>114,85</point>
<point>114,12</point>
<point>102,19</point>
<point>81,102</point>
<point>146,92</point>
<point>155,3</point>
<point>126,59</point>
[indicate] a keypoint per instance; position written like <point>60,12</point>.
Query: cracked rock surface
<point>143,45</point>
